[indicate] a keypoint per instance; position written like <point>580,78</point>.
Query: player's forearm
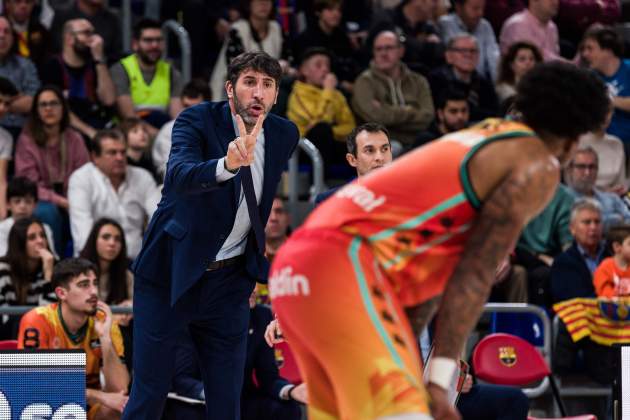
<point>491,240</point>
<point>115,372</point>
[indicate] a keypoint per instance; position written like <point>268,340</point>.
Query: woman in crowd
<point>258,31</point>
<point>25,272</point>
<point>47,153</point>
<point>106,248</point>
<point>519,59</point>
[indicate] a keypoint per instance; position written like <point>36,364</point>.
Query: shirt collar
<point>583,253</point>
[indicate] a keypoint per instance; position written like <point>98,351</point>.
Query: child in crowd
<point>21,199</point>
<point>139,145</point>
<point>612,278</point>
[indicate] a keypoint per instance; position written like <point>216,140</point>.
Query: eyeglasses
<point>155,40</point>
<point>584,166</point>
<point>49,104</point>
<point>386,48</point>
<point>465,50</point>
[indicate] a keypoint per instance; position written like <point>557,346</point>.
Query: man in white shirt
<point>107,187</point>
<point>21,202</point>
<point>194,92</point>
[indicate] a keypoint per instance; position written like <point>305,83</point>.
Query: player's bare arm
<point>420,315</point>
<point>518,197</point>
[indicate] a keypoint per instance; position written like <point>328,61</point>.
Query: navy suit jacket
<point>570,277</point>
<point>196,214</point>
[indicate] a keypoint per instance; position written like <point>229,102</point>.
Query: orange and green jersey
<point>416,215</point>
<point>41,328</point>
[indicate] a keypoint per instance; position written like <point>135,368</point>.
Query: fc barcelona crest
<point>507,356</point>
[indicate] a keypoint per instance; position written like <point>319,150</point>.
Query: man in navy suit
<point>203,250</point>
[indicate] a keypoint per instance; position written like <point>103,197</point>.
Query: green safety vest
<point>157,95</point>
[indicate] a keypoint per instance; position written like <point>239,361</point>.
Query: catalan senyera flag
<point>605,321</point>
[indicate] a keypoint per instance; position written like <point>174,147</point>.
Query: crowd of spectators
<point>85,127</point>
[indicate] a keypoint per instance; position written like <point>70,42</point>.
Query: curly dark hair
<point>562,100</point>
<point>506,74</point>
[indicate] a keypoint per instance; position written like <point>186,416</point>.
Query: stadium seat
<point>8,345</point>
<point>506,359</point>
<point>287,365</point>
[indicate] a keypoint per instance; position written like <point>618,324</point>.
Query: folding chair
<point>506,359</point>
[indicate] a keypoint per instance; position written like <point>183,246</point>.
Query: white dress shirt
<point>92,196</point>
<point>235,243</point>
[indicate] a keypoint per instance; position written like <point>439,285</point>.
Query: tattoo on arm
<point>516,199</point>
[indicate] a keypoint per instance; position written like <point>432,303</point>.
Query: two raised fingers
<point>242,130</point>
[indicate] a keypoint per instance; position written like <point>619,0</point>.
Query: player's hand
<point>241,149</point>
<point>48,261</point>
<point>103,323</point>
<point>300,393</point>
<point>273,333</point>
<point>115,401</point>
<point>441,409</point>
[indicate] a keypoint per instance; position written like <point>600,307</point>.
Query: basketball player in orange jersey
<point>359,280</point>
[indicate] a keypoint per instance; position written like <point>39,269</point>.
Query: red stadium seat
<point>286,363</point>
<point>8,345</point>
<point>506,359</point>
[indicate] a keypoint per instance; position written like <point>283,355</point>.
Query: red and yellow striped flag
<point>605,321</point>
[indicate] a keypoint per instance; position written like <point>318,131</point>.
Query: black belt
<point>217,265</point>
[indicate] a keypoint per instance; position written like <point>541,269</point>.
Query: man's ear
<point>61,293</point>
<point>229,89</point>
<point>352,160</point>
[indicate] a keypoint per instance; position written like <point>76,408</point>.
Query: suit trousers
<point>216,312</point>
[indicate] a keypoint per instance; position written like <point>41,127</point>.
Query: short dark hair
<point>449,94</point>
<point>66,270</point>
<point>562,100</point>
<point>21,187</point>
<point>258,61</point>
<point>319,5</point>
<point>128,124</point>
<point>7,87</point>
<point>145,24</point>
<point>370,127</point>
<point>101,135</point>
<point>196,88</point>
<point>618,234</point>
<point>607,38</point>
<point>312,51</point>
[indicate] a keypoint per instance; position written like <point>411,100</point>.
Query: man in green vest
<point>146,85</point>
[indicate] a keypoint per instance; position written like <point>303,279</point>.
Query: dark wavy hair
<point>258,61</point>
<point>506,74</point>
<point>562,100</point>
<point>35,124</point>
<point>118,269</point>
<point>16,258</point>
